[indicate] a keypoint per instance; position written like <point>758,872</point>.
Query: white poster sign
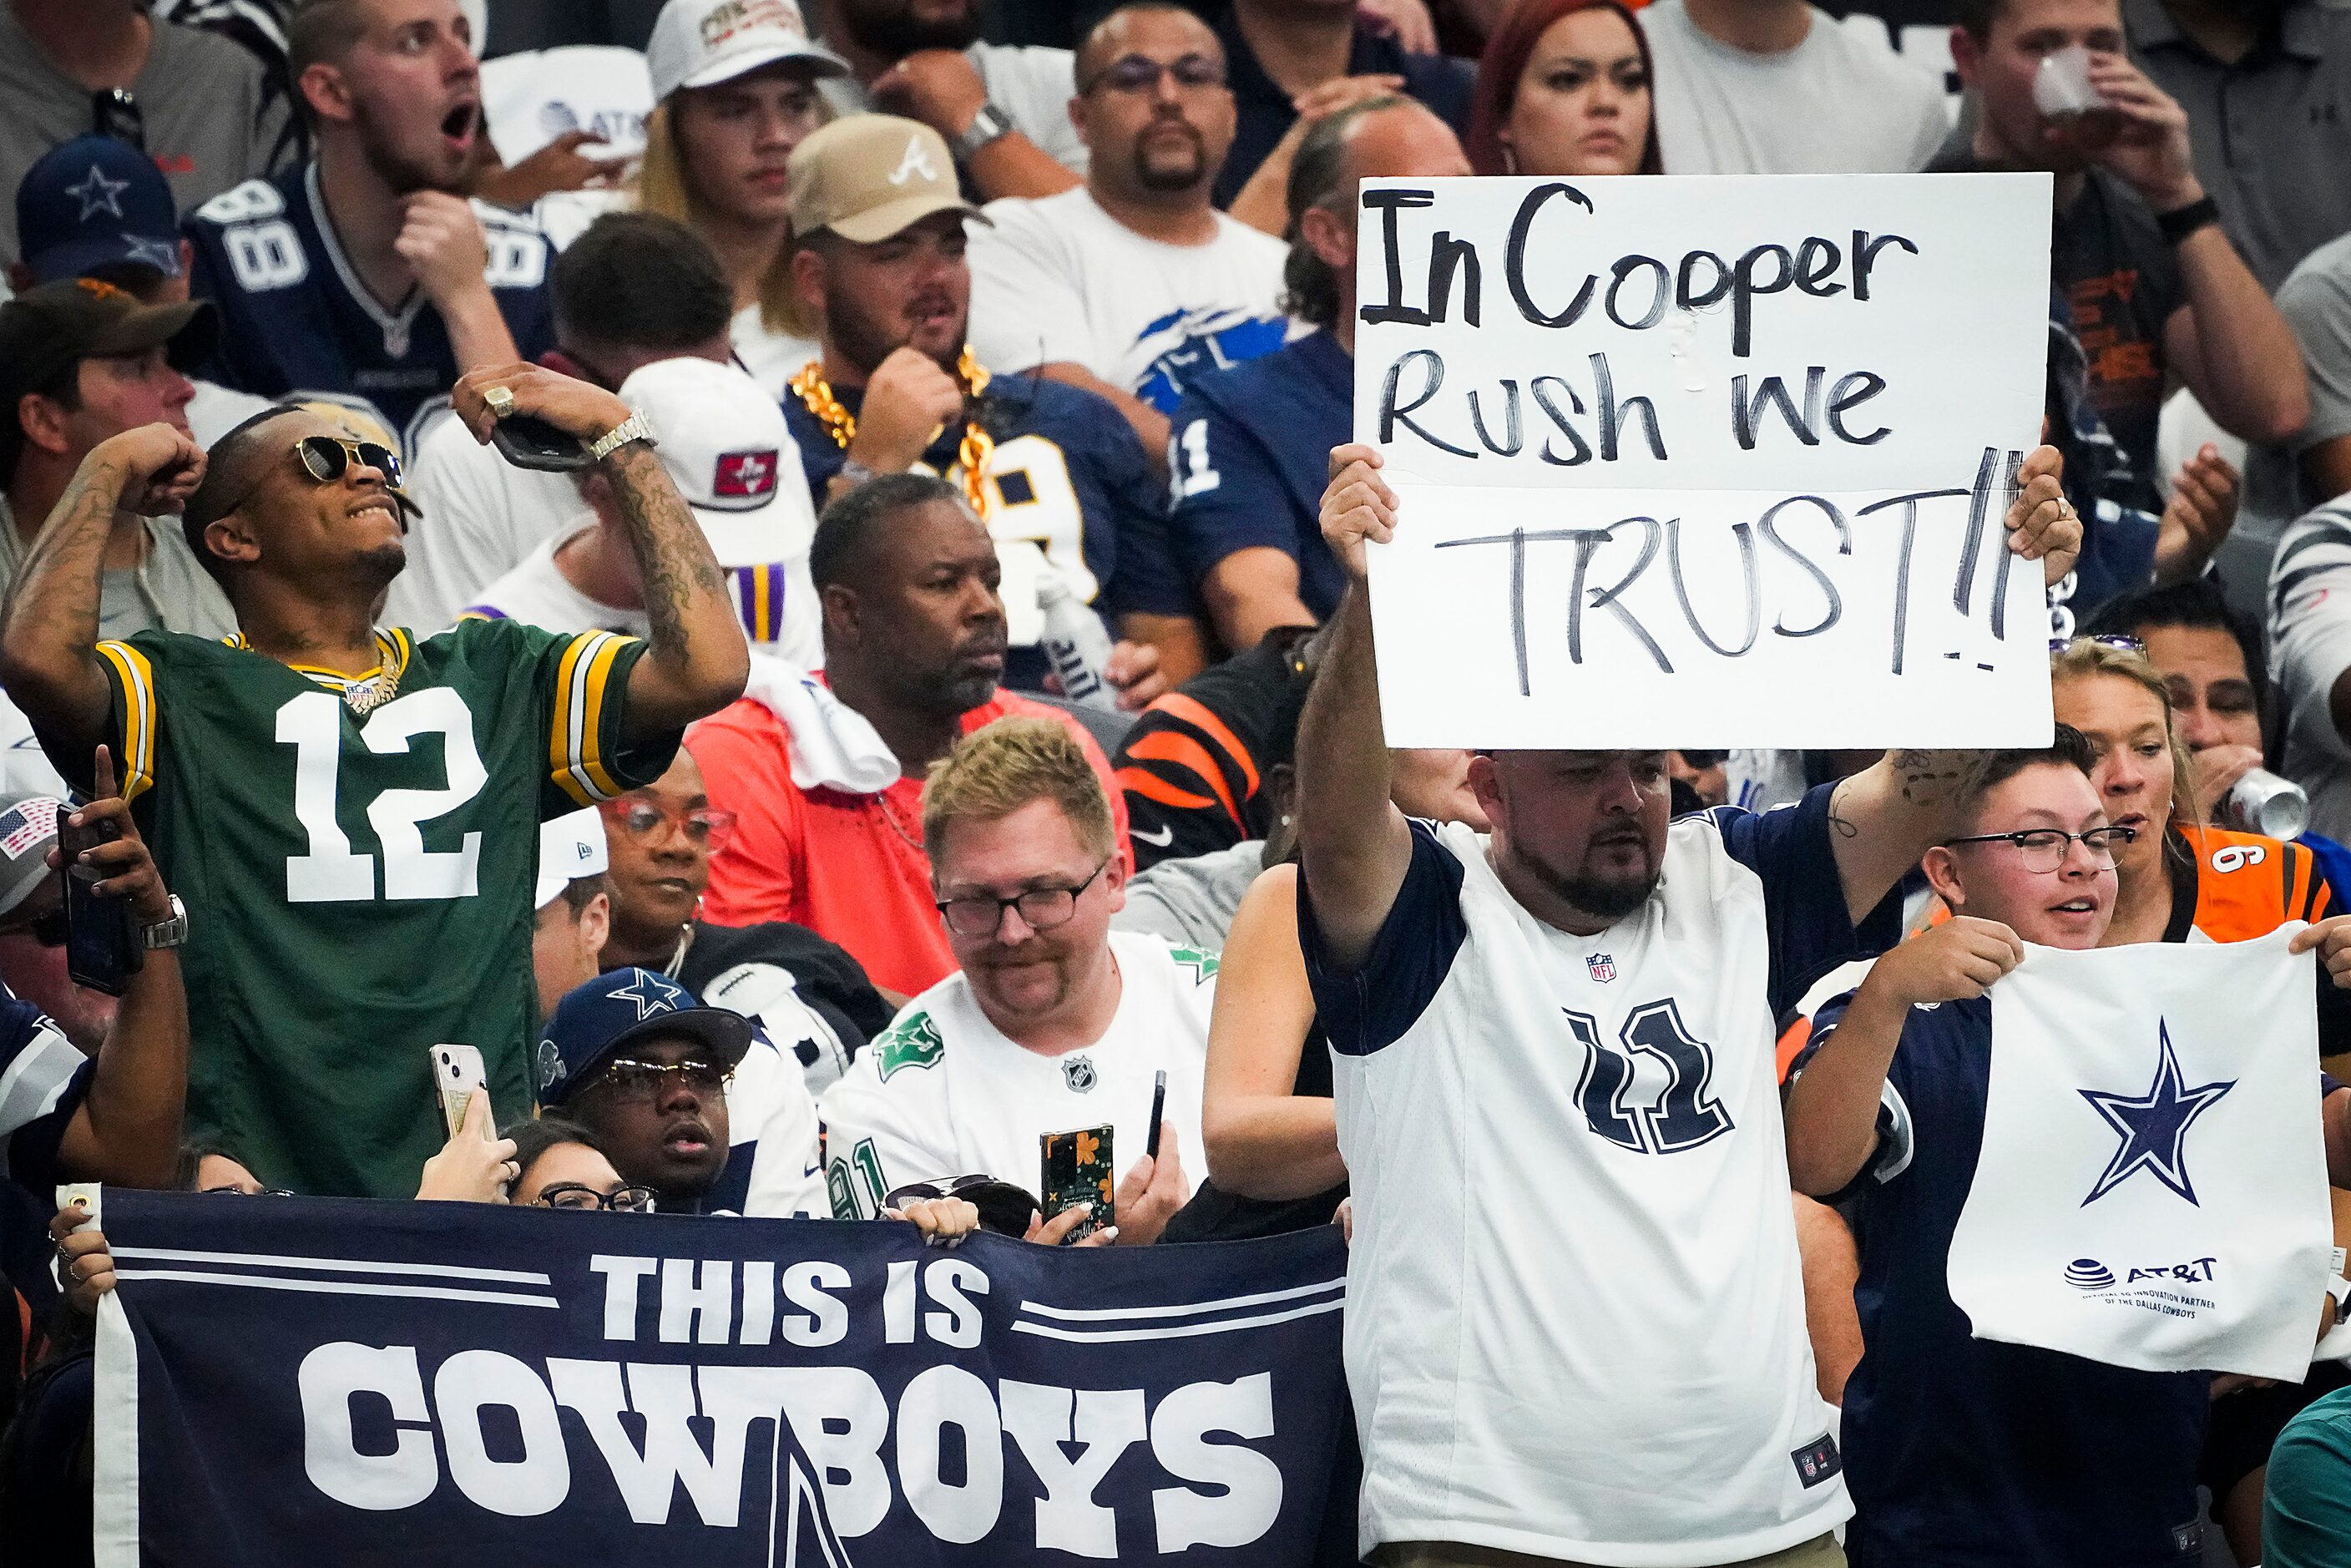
<point>2152,1187</point>
<point>1706,462</point>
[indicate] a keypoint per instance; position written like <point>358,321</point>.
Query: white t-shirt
<point>537,593</point>
<point>1059,280</point>
<point>481,515</point>
<point>216,409</point>
<point>1835,104</point>
<point>2310,646</point>
<point>1032,84</point>
<point>768,1104</point>
<point>945,1094</point>
<point>783,618</point>
<point>771,358</point>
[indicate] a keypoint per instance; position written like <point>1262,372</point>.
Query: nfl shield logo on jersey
<point>1603,967</point>
<point>1078,1073</point>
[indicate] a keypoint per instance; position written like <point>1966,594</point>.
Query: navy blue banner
<point>283,1381</point>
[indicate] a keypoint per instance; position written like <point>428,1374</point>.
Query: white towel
<point>832,745</point>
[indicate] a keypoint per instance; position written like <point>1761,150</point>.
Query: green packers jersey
<point>359,884</point>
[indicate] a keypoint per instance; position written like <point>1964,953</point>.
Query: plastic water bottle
<point>1076,643</point>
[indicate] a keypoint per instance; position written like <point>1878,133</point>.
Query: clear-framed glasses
<point>2120,642</point>
<point>579,1194</point>
<point>248,1192</point>
<point>704,827</point>
<point>1041,908</point>
<point>2043,850</point>
<point>645,1082</point>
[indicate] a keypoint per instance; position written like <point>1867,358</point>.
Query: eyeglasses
<point>578,1195</point>
<point>2114,640</point>
<point>646,1082</point>
<point>2044,849</point>
<point>1041,908</point>
<point>703,827</point>
<point>242,1192</point>
<point>1003,1207</point>
<point>1140,74</point>
<point>327,458</point>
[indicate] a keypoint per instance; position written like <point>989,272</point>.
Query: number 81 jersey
<point>359,886</point>
<point>1575,1320</point>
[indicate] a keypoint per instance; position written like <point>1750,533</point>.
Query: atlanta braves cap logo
<point>745,476</point>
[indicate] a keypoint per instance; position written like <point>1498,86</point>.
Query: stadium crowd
<point>854,511</point>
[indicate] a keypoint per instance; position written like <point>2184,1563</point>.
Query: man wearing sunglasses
<point>1165,288</point>
<point>641,1063</point>
<point>1055,1023</point>
<point>354,810</point>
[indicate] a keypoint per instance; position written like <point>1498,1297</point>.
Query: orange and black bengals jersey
<point>1193,766</point>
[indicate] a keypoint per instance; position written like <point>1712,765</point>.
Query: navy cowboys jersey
<point>1068,473</point>
<point>1249,450</point>
<point>1967,1451</point>
<point>297,323</point>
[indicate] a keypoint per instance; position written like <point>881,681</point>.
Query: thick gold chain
<point>973,453</point>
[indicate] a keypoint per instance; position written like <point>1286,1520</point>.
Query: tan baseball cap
<point>867,176</point>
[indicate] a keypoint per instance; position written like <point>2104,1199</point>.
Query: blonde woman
<point>727,114</point>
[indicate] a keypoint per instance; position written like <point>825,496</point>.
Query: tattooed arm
<point>696,659</point>
<point>48,629</point>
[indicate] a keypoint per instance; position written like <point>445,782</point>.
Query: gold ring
<point>501,401</point>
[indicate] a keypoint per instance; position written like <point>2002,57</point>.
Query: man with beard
<point>1055,1022</point>
<point>1063,485</point>
<point>823,775</point>
<point>1579,1006</point>
<point>1003,108</point>
<point>364,276</point>
<point>1165,287</point>
<point>351,813</point>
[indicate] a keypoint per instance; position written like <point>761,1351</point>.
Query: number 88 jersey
<point>1582,1324</point>
<point>359,886</point>
<point>297,323</point>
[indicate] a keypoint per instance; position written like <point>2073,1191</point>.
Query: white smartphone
<point>456,1073</point>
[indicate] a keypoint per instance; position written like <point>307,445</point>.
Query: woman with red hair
<point>1564,90</point>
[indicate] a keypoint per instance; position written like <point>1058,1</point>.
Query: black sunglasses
<point>115,115</point>
<point>327,458</point>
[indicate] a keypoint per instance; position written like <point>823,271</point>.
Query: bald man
<point>1166,288</point>
<point>1251,449</point>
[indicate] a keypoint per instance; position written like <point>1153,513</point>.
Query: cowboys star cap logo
<point>650,994</point>
<point>745,476</point>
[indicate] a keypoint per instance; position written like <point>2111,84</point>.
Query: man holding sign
<point>1571,1018</point>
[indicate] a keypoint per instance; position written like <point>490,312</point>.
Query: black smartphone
<point>103,952</point>
<point>527,440</point>
<point>1077,1169</point>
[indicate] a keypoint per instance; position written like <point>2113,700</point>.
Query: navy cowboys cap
<point>95,201</point>
<point>620,1007</point>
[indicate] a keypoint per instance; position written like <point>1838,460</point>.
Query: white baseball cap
<point>731,456</point>
<point>700,43</point>
<point>570,847</point>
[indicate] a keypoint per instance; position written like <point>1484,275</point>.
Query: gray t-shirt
<point>2316,300</point>
<point>1192,902</point>
<point>168,591</point>
<point>201,101</point>
<point>1837,103</point>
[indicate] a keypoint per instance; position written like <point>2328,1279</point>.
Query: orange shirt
<point>849,867</point>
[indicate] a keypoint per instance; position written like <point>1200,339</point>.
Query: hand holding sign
<point>1682,456</point>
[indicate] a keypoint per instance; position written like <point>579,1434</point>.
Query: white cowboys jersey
<point>945,1094</point>
<point>1575,1320</point>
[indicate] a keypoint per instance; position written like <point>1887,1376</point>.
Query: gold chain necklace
<point>973,453</point>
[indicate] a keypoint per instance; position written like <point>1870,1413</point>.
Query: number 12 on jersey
<point>331,872</point>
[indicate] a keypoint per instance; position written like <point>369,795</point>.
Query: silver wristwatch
<point>632,428</point>
<point>986,125</point>
<point>169,932</point>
